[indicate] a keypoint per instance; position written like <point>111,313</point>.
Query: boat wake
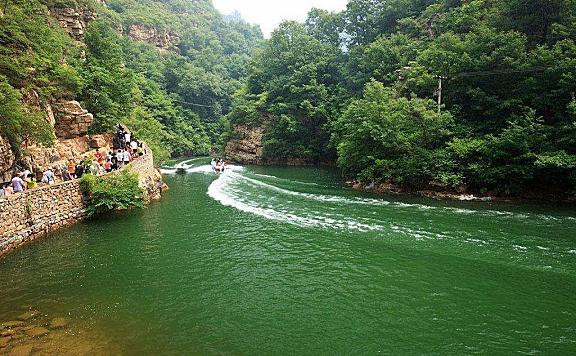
<point>309,205</point>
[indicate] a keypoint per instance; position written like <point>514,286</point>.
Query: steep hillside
<point>164,68</point>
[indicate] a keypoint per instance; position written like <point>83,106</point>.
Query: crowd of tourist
<point>126,149</point>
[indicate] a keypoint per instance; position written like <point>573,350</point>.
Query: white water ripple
<point>381,202</point>
<point>220,190</point>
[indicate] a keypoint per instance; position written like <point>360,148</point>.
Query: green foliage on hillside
<point>17,124</point>
<point>30,59</point>
<point>357,87</point>
<point>383,137</point>
<point>174,99</point>
<point>367,78</point>
<point>111,192</point>
<point>293,80</point>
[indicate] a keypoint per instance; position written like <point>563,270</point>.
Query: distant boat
<point>219,168</point>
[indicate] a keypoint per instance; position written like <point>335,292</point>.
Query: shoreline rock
<point>460,195</point>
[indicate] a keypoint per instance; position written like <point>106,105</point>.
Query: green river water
<point>287,261</point>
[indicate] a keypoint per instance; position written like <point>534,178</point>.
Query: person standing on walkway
<point>126,157</point>
<point>18,184</point>
<point>108,166</point>
<point>48,177</point>
<point>120,137</point>
<point>114,160</point>
<point>30,181</point>
<point>79,171</point>
<point>133,145</point>
<point>71,168</point>
<point>65,174</point>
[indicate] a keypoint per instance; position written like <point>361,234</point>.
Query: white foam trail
<point>285,180</point>
<point>219,190</point>
<point>185,164</point>
<point>380,202</point>
<point>362,201</point>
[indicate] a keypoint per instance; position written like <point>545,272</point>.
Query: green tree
<point>385,138</point>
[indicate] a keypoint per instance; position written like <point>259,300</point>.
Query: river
<point>283,261</point>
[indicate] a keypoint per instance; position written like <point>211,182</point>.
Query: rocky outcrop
<point>38,158</point>
<point>71,120</point>
<point>7,159</point>
<point>150,179</point>
<point>73,21</point>
<point>162,39</point>
<point>246,146</point>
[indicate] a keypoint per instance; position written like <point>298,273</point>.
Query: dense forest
<point>361,87</point>
<point>173,98</point>
<point>476,95</point>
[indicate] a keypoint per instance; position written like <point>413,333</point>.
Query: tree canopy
<point>358,87</point>
<point>368,78</point>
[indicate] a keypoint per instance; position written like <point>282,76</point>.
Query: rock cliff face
<point>71,123</point>
<point>7,160</point>
<point>73,21</point>
<point>247,145</point>
<point>162,39</point>
<point>71,120</point>
<point>38,158</point>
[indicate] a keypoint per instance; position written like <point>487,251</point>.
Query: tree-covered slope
<point>166,68</point>
<point>362,86</point>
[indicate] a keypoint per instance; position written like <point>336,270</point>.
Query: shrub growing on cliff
<point>17,124</point>
<point>111,192</point>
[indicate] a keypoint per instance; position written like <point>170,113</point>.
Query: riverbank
<point>463,195</point>
<point>34,213</point>
<point>31,331</point>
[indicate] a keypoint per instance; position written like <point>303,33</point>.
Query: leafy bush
<point>393,139</point>
<point>111,192</point>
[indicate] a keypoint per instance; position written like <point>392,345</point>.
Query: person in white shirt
<point>126,157</point>
<point>48,177</point>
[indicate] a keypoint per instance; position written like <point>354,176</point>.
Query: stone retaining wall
<point>27,216</point>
